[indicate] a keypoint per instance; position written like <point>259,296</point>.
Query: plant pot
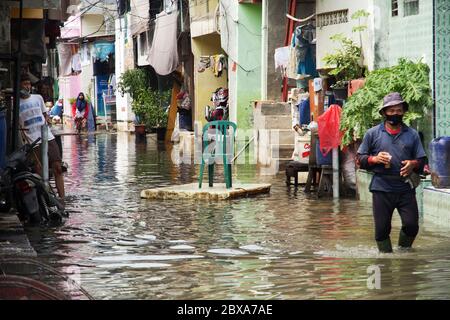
<point>161,134</point>
<point>340,93</point>
<point>139,129</point>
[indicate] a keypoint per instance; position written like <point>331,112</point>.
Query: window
<point>143,47</point>
<point>394,4</point>
<point>411,7</point>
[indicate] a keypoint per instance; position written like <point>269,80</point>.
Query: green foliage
<point>361,109</point>
<point>133,82</point>
<point>148,105</point>
<point>347,62</point>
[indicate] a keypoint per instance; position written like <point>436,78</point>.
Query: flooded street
<point>285,245</point>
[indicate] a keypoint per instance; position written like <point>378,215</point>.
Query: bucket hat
<point>393,99</point>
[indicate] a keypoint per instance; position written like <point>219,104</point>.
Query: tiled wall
<point>437,206</point>
<point>442,76</point>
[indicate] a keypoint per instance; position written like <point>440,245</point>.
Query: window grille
<point>333,17</point>
<point>394,8</point>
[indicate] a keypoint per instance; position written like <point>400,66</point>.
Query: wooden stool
<point>292,170</point>
<point>326,181</point>
<point>312,177</point>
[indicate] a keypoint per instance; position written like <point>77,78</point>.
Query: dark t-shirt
<point>405,145</point>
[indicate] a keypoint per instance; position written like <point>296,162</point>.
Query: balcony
<point>204,17</point>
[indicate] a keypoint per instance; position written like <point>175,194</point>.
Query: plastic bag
<point>329,134</point>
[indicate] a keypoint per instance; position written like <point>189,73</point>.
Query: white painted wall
<point>123,103</point>
<point>325,45</point>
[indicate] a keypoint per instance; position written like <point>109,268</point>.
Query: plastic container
<point>2,139</point>
<point>323,160</point>
<point>302,148</point>
<point>304,112</point>
<point>440,162</point>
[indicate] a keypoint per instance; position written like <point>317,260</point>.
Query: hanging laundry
<point>76,63</point>
<point>291,70</point>
<point>281,58</point>
<point>163,55</point>
<point>65,59</point>
<point>102,50</point>
<point>205,63</point>
<point>304,35</point>
<point>218,64</point>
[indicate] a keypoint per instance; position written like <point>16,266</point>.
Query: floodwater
<point>285,245</point>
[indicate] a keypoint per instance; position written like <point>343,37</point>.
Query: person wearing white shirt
<point>32,116</point>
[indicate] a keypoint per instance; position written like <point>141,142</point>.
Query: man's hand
<point>408,167</point>
<point>382,157</point>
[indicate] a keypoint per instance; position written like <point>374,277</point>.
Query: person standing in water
<point>394,152</point>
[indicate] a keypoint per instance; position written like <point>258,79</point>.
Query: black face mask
<point>394,119</point>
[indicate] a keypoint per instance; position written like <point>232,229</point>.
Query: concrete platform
<point>436,205</point>
<point>13,240</point>
<point>218,192</point>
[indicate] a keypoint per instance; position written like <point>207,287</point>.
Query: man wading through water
<point>393,151</point>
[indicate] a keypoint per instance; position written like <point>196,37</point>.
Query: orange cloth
<point>354,85</point>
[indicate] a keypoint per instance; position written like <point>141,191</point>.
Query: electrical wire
<point>228,40</point>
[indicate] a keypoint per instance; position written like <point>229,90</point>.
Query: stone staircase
<point>276,138</point>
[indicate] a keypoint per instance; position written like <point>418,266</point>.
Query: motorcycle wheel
<point>43,209</point>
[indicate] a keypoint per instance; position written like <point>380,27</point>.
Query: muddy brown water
<point>285,245</point>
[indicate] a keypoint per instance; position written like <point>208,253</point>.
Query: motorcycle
<point>220,106</point>
<point>34,199</point>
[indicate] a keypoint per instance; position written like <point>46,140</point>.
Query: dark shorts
<point>53,152</point>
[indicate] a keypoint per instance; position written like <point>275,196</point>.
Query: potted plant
<point>148,105</point>
<point>347,63</point>
<point>151,105</point>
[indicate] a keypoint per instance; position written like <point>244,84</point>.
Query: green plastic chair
<point>220,149</point>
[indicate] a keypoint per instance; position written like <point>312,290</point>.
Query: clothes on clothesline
<point>291,70</point>
<point>306,57</point>
<point>217,63</point>
<point>163,55</point>
<point>205,63</point>
<point>302,53</point>
<point>69,59</point>
<point>281,58</point>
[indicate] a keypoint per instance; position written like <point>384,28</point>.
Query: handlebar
<point>28,147</point>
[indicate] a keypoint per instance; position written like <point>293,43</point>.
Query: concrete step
<point>274,109</point>
<point>281,150</point>
<point>272,122</point>
<point>276,136</point>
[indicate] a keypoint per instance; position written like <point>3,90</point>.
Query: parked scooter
<point>34,199</point>
<point>219,111</point>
